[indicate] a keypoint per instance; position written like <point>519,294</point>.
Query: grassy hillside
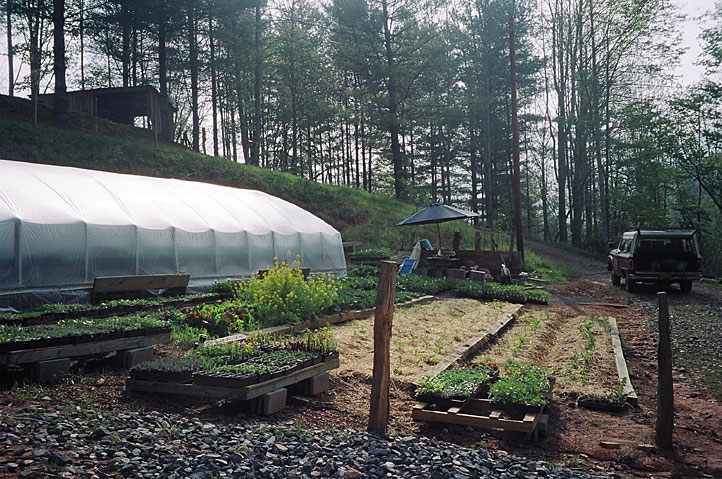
<point>359,215</point>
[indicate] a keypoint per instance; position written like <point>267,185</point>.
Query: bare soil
<point>555,341</point>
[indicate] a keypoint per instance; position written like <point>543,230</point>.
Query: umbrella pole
<point>438,234</point>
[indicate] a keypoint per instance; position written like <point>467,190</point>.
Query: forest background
<point>412,98</point>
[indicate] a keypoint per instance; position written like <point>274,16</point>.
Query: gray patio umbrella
<point>437,213</point>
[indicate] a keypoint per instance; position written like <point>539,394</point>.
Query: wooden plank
<point>248,392</point>
<point>113,284</point>
<point>454,410</point>
<point>383,320</point>
<point>608,305</point>
<point>137,385</point>
<point>665,386</point>
<point>463,419</point>
<point>255,390</point>
<point>83,349</point>
<point>621,363</point>
<point>495,414</point>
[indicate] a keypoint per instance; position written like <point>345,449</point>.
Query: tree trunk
<point>61,97</point>
<point>393,120</point>
<point>125,52</point>
<point>193,63</point>
<point>162,58</point>
<point>11,68</point>
<point>515,137</point>
<point>254,160</point>
<point>560,75</point>
<point>214,90</point>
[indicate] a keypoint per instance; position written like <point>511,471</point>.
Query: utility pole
<point>515,137</point>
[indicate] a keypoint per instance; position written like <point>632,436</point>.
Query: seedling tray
<point>235,391</point>
<point>69,350</point>
<point>485,414</point>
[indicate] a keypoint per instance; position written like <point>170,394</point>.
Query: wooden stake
<point>379,414</point>
<point>665,389</point>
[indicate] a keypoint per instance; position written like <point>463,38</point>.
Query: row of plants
<point>423,284</point>
<point>519,384</point>
<point>510,293</point>
<point>460,382</point>
<point>70,331</point>
<point>258,359</point>
<point>371,254</point>
<point>75,310</point>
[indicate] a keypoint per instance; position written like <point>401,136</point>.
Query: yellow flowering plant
<point>282,295</point>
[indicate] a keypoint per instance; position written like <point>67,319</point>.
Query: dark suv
<point>660,257</point>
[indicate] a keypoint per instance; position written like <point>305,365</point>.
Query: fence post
<point>379,414</point>
<point>665,390</point>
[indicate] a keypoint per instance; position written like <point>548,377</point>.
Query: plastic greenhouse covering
<point>61,227</point>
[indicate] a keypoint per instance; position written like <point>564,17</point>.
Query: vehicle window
<point>625,245</point>
<point>666,245</point>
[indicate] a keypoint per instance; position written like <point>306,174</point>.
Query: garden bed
<point>422,337</point>
<point>577,350</point>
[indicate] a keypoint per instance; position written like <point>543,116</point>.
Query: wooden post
<point>457,240</point>
<point>477,242</point>
<point>379,414</point>
<point>665,390</point>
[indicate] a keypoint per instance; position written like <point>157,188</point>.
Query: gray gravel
<point>695,322</point>
<point>71,443</point>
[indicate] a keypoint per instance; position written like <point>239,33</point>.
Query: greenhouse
<point>62,227</point>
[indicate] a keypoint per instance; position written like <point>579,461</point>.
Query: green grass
<point>546,269</point>
<point>358,215</point>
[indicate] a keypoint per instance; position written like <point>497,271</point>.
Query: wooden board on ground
<point>470,414</point>
<point>622,371</point>
<point>246,392</point>
<point>107,286</point>
<point>25,356</point>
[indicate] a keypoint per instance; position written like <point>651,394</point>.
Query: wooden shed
<point>123,105</point>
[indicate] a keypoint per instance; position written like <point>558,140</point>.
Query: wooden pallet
<point>474,413</point>
<point>242,393</point>
<point>25,356</point>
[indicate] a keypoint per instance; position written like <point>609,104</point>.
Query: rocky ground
<point>70,442</point>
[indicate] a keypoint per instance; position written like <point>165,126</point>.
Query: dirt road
<point>696,322</point>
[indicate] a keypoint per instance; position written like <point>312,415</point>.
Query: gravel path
<point>66,441</point>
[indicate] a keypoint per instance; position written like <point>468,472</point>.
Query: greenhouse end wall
<point>61,227</point>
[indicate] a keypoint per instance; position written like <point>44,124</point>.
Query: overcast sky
<point>687,71</point>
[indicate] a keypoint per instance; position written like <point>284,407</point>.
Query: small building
<point>126,105</point>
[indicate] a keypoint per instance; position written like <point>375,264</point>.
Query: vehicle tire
<point>686,285</point>
<point>630,285</point>
<point>616,279</point>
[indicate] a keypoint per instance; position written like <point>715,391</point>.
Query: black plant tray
<point>224,380</point>
<point>119,310</point>
<point>80,339</point>
<point>453,401</point>
<point>330,356</point>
